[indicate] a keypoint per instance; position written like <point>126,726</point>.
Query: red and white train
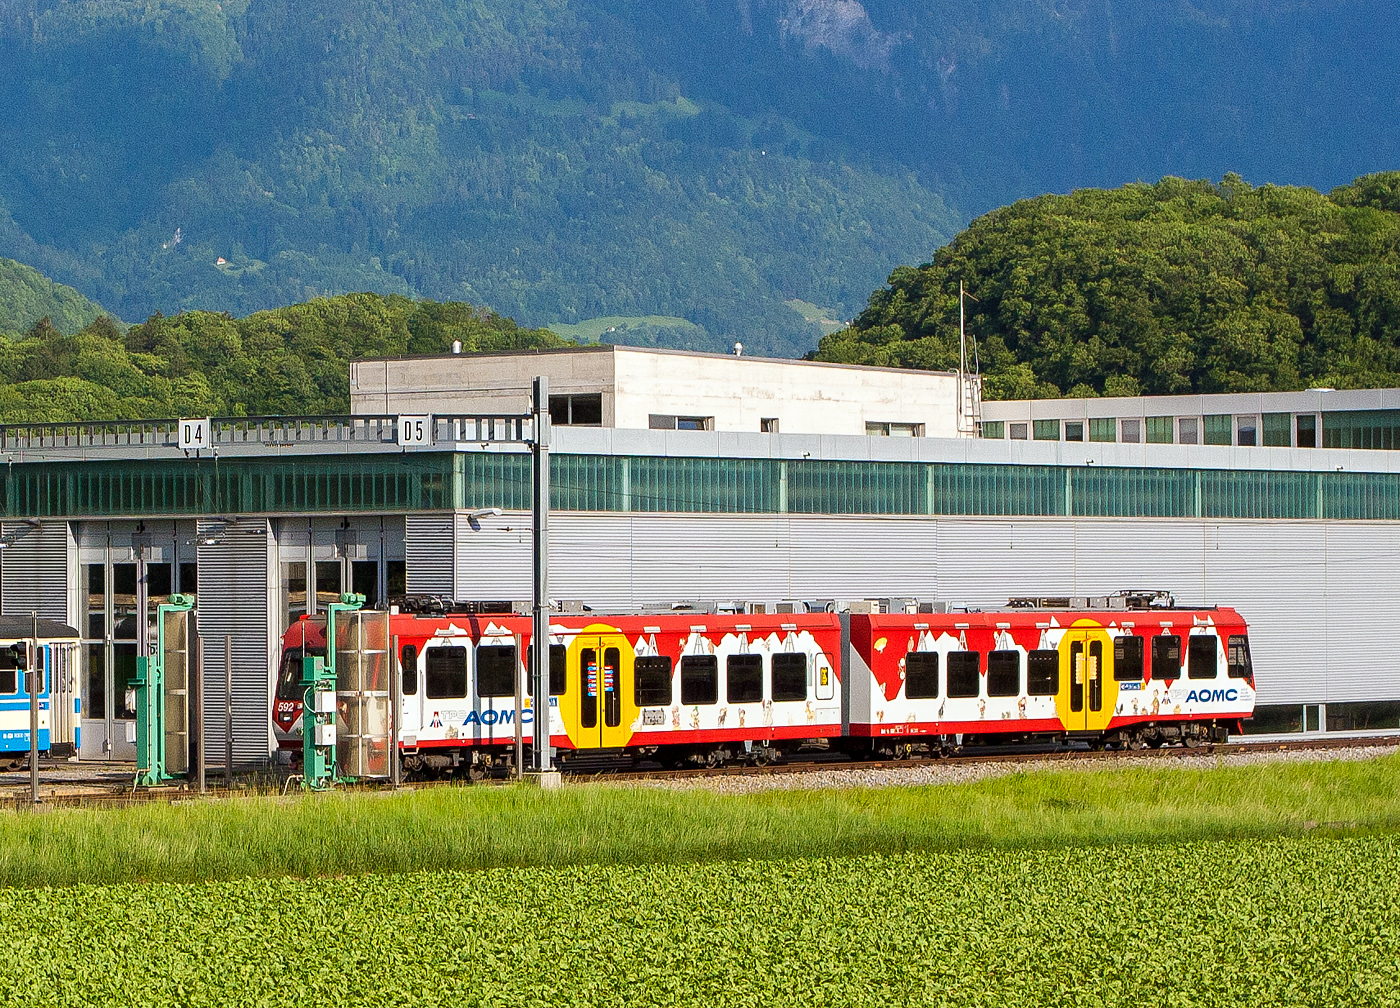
<point>703,688</point>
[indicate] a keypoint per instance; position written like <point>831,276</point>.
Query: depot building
<point>669,484</point>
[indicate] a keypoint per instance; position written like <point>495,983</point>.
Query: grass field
<point>495,827</point>
<point>1282,922</point>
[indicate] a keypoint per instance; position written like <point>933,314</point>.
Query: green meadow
<point>476,828</point>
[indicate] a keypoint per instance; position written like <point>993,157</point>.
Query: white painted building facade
<point>640,389</point>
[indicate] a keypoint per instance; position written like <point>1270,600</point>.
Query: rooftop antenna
<point>969,386</point>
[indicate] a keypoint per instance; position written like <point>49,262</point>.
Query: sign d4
<point>194,434</point>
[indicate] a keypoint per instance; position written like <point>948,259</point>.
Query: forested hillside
<point>521,154</point>
<point>1167,288</point>
<point>289,361</point>
<point>564,160</point>
<point>26,296</point>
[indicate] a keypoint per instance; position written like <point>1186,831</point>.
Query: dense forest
<point>287,361</point>
<point>564,160</point>
<point>1175,287</point>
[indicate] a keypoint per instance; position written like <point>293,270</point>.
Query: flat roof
<point>659,351</point>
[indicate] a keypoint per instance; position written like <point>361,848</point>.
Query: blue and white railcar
<point>46,652</point>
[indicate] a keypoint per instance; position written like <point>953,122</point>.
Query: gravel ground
<point>937,772</point>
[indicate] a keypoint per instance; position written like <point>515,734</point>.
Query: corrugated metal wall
<point>35,567</point>
<point>236,562</point>
<point>1316,594</point>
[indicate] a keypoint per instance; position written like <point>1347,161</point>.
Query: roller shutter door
<point>235,562</point>
<point>35,569</point>
<point>428,554</point>
<point>1362,609</point>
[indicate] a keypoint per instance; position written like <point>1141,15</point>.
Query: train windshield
<point>289,675</point>
<point>1237,661</point>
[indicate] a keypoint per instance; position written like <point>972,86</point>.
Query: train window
<point>558,676</point>
<point>921,675</point>
<point>496,670</point>
<point>699,679</point>
<point>446,672</point>
<point>743,675</point>
<point>1043,672</point>
<point>1127,658</point>
<point>1003,673</point>
<point>652,683</point>
<point>789,672</point>
<point>289,677</point>
<point>1200,656</point>
<point>1166,657</point>
<point>9,671</point>
<point>408,663</point>
<point>962,673</point>
<point>612,688</point>
<point>588,688</point>
<point>1237,663</point>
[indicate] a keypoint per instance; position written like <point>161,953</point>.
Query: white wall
<point>805,397</point>
<point>1323,625</point>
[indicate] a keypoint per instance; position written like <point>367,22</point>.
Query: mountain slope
<point>27,296</point>
<point>517,154</point>
<point>1169,288</point>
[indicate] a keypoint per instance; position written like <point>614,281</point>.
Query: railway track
<point>112,789</point>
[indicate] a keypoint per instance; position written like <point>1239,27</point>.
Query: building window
<point>1132,431</point>
<point>1361,429</point>
<point>1218,429</point>
<point>576,410</point>
<point>921,675</point>
<point>1074,430</point>
<point>962,673</point>
<point>652,683</point>
<point>1018,432</point>
<point>1047,430</point>
<point>1188,430</point>
<point>993,429</point>
<point>1276,430</point>
<point>768,425</point>
<point>1247,431</point>
<point>894,429</point>
<point>1003,673</point>
<point>662,421</point>
<point>1102,429</point>
<point>1159,430</point>
<point>1307,430</point>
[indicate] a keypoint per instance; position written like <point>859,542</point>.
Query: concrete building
<point>264,520</point>
<point>632,388</point>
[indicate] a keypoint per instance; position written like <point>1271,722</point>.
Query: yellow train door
<point>602,681</point>
<point>1087,691</point>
